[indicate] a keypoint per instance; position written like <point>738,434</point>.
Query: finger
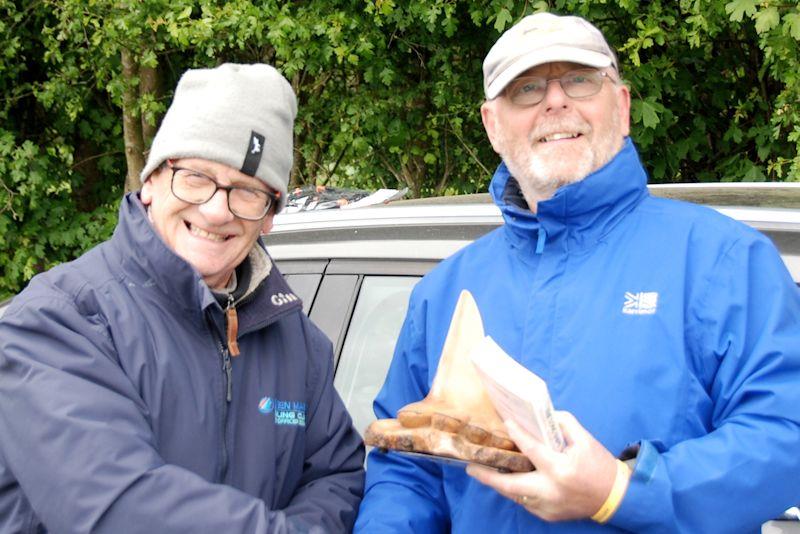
<point>486,477</point>
<point>539,454</point>
<point>523,494</point>
<point>578,438</point>
<point>482,474</point>
<point>509,484</point>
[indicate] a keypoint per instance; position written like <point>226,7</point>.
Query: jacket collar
<point>149,264</point>
<point>579,214</point>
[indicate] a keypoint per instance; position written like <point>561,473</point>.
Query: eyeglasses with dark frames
<point>194,187</point>
<point>530,90</point>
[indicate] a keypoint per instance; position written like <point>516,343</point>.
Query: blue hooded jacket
<point>115,413</point>
<point>652,321</point>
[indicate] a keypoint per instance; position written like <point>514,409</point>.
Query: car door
<point>360,305</point>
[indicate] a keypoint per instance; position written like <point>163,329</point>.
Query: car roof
<point>434,228</point>
<point>767,202</point>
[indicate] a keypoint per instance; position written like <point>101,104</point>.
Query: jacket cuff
<point>648,500</point>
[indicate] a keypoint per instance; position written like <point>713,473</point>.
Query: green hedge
<point>389,93</point>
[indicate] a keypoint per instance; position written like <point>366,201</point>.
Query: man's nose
<point>216,210</point>
<point>554,96</point>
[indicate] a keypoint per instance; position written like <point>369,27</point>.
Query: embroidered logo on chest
<point>292,413</point>
<point>642,303</point>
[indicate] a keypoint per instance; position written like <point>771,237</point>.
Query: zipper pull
<point>227,367</point>
<point>232,323</point>
<point>540,240</point>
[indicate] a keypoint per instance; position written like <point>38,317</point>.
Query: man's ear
<point>146,195</point>
<point>624,108</point>
<point>266,224</point>
<point>148,191</point>
<point>489,118</point>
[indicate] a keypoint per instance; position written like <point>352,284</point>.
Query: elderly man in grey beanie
<point>156,384</point>
<point>670,333</point>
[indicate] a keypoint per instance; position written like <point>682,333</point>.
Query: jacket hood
<point>588,209</point>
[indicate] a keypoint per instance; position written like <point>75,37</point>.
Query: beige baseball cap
<point>544,38</point>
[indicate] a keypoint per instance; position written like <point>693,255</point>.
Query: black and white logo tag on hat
<point>253,155</point>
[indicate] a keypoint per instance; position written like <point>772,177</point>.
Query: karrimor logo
<point>642,303</point>
<point>279,299</point>
<point>291,413</point>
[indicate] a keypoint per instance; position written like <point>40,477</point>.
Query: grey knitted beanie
<point>239,115</point>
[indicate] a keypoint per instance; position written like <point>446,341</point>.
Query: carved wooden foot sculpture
<point>457,418</point>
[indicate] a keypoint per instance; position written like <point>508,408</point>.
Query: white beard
<point>541,169</point>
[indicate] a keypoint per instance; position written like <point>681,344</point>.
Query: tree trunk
<point>148,85</point>
<point>131,122</point>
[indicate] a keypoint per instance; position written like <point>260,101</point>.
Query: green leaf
<point>737,9</point>
<point>754,174</point>
<point>503,18</point>
<point>767,19</point>
<point>647,112</point>
<point>792,20</point>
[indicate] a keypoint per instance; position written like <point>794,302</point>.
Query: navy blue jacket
<point>114,409</point>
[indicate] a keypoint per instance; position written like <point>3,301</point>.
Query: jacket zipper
<point>228,347</point>
<point>226,368</point>
<point>224,347</point>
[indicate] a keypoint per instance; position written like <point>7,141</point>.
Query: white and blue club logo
<point>265,405</point>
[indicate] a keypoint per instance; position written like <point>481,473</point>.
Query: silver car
<point>354,269</point>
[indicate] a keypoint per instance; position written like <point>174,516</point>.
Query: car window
<point>368,347</point>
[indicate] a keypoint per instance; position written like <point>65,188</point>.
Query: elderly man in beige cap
<point>668,334</point>
<point>168,380</point>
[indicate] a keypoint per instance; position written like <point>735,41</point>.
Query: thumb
<point>573,431</point>
<point>569,425</point>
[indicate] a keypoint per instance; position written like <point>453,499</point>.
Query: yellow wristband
<point>615,496</point>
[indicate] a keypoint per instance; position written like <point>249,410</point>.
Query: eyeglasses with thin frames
<point>530,90</point>
<point>194,187</point>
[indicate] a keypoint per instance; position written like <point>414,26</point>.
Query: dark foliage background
<point>389,93</point>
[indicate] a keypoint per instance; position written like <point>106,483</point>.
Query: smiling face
<point>560,140</point>
<point>208,236</point>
